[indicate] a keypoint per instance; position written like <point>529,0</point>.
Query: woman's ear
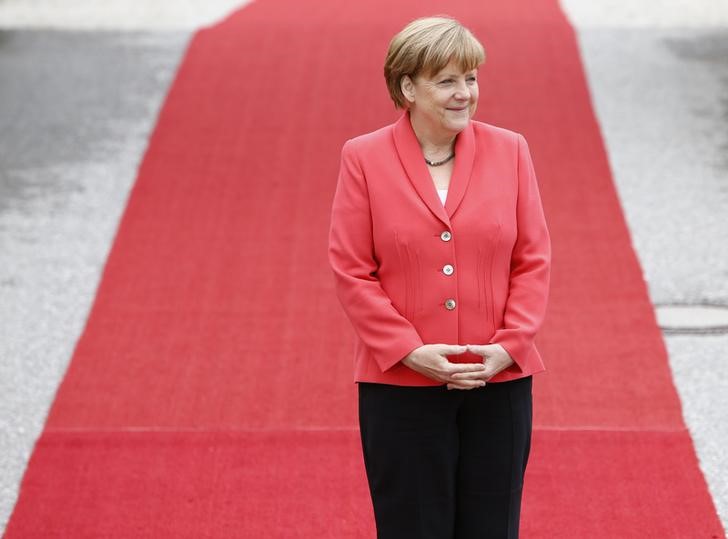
<point>408,88</point>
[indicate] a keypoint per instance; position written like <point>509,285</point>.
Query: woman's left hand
<point>495,359</point>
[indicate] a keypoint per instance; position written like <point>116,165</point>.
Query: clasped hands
<point>431,361</point>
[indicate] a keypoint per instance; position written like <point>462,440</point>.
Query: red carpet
<point>210,394</point>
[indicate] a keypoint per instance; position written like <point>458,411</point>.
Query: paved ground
<point>76,108</point>
<point>75,114</point>
<point>660,95</point>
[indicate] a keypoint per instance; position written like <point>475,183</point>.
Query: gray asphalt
<point>664,113</point>
<point>76,109</point>
<point>661,97</point>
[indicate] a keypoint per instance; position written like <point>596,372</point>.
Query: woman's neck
<point>433,144</point>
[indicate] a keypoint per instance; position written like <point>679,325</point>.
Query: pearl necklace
<point>438,163</point>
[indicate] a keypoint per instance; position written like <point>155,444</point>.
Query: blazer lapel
<point>464,157</point>
<point>410,154</point>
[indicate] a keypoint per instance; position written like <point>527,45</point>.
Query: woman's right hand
<point>430,360</point>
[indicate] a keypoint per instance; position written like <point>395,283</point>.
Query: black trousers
<point>446,464</point>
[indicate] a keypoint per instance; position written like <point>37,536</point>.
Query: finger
<point>471,375</point>
<point>465,367</point>
<point>480,349</point>
<point>459,387</point>
<point>451,349</point>
<point>466,385</point>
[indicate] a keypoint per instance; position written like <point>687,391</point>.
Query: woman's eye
<point>446,81</point>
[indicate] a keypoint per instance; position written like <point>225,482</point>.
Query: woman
<point>441,259</point>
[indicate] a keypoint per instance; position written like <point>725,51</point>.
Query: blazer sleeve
<point>387,334</point>
<point>530,267</point>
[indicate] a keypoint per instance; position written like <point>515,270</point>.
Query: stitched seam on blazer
<point>410,299</point>
<point>403,256</point>
<point>417,296</point>
<point>479,280</point>
<point>496,245</point>
<point>485,265</point>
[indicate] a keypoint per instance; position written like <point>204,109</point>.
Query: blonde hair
<point>425,46</point>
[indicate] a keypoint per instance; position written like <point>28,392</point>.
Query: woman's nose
<point>462,91</point>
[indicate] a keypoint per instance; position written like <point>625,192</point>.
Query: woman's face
<point>444,102</point>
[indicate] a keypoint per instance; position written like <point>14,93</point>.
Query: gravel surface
<point>664,115</point>
<point>75,114</point>
<point>114,15</point>
<point>660,96</point>
<point>646,14</point>
<point>699,370</point>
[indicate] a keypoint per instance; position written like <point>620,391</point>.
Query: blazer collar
<point>410,154</point>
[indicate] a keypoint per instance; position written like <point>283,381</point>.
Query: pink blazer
<point>409,271</point>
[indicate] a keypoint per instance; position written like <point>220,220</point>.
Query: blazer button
<point>450,304</point>
<point>446,236</point>
<point>448,269</point>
